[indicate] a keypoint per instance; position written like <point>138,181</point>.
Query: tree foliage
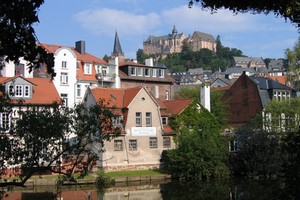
<point>39,141</point>
<point>204,58</point>
<point>201,152</point>
<point>293,57</point>
<point>286,9</point>
<point>17,36</point>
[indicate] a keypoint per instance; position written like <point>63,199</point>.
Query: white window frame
<point>104,70</point>
<point>147,74</point>
<point>161,73</point>
<point>19,90</point>
<point>148,119</point>
<point>133,71</point>
<point>140,71</point>
<point>26,91</point>
<point>117,120</point>
<point>64,97</point>
<point>153,72</point>
<point>4,120</point>
<point>138,119</point>
<point>164,121</point>
<point>64,78</point>
<point>87,68</point>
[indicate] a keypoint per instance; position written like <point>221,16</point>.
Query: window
<point>153,142</point>
<point>166,142</point>
<point>118,145</point>
<point>148,119</point>
<point>147,72</point>
<point>104,71</point>
<point>18,91</point>
<point>153,72</point>
<point>78,90</point>
<point>5,121</point>
<point>63,64</point>
<point>11,90</point>
<point>138,119</point>
<point>64,78</point>
<point>26,90</point>
<point>232,146</point>
<point>132,71</point>
<point>117,120</point>
<point>132,145</point>
<point>20,70</point>
<point>87,68</point>
<point>140,71</point>
<point>161,73</point>
<point>64,98</point>
<point>164,120</point>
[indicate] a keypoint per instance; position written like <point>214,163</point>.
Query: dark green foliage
<point>201,152</point>
<point>39,140</point>
<point>258,154</point>
<point>286,9</point>
<point>204,58</point>
<point>17,36</point>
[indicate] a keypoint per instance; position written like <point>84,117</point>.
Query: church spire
<point>117,51</point>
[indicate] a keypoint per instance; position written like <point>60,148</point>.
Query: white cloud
<point>223,20</point>
<point>105,21</point>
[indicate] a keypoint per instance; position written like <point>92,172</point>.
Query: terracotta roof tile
<point>44,91</point>
<point>177,106</point>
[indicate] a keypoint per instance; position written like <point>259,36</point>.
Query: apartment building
<point>144,121</point>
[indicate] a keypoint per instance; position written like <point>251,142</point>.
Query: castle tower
<point>117,51</point>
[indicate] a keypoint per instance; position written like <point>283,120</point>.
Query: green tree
<point>293,57</point>
<point>17,36</point>
<point>141,56</point>
<point>286,9</point>
<point>39,141</point>
<point>201,152</point>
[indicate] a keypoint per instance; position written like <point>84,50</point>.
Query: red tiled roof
<point>44,91</point>
<point>177,106</point>
<point>82,58</point>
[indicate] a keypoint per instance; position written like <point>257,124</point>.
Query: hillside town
<point>142,94</point>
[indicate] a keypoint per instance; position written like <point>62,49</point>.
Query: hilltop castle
<point>172,43</point>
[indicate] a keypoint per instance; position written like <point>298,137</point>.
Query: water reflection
<point>217,190</point>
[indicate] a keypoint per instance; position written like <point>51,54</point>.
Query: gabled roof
<point>43,92</point>
<point>176,107</point>
<point>86,57</point>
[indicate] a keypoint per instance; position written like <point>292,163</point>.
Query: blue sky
<point>64,22</point>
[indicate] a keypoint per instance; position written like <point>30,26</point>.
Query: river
<point>241,189</point>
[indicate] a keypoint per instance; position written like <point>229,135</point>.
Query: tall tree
<point>293,57</point>
<point>17,36</point>
<point>201,151</point>
<point>286,9</point>
<point>39,141</point>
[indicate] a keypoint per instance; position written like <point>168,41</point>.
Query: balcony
<point>106,77</point>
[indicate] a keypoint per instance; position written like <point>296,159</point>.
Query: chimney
<point>149,62</point>
<point>80,46</point>
<point>205,97</point>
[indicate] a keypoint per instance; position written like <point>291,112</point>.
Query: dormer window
<point>87,68</point>
<point>19,91</point>
<point>133,71</point>
<point>161,73</point>
<point>147,72</point>
<point>140,71</point>
<point>153,72</point>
